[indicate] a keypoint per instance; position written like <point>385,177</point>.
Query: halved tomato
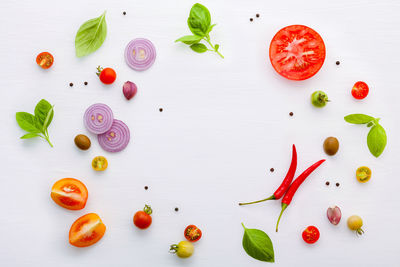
<point>360,90</point>
<point>192,233</point>
<point>297,52</point>
<point>69,193</point>
<point>86,230</point>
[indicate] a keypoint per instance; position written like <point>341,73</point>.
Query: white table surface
<point>225,124</point>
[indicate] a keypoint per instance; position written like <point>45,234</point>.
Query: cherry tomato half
<point>142,218</point>
<point>86,230</point>
<point>45,60</point>
<point>363,174</point>
<point>310,235</point>
<point>192,233</point>
<point>107,75</point>
<point>99,163</point>
<point>297,52</point>
<point>69,193</point>
<point>360,90</point>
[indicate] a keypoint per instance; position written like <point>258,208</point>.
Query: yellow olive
<point>331,146</point>
<point>82,141</point>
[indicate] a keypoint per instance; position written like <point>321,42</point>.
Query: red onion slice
<point>140,54</point>
<point>98,118</point>
<point>116,138</point>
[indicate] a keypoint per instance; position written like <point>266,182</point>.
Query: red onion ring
<point>98,118</point>
<point>116,138</point>
<point>140,54</point>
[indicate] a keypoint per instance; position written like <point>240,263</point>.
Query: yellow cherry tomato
<point>99,163</point>
<point>183,249</point>
<point>363,174</point>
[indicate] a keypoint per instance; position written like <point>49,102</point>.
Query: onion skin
<point>129,89</point>
<point>334,215</point>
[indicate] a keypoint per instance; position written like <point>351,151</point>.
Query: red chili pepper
<point>285,183</point>
<point>294,186</point>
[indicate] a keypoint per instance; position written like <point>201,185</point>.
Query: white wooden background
<point>225,124</point>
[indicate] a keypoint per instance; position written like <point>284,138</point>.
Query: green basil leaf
<point>370,124</point>
<point>258,245</point>
<point>199,20</point>
<point>199,48</point>
<point>30,135</point>
<point>90,36</point>
<point>377,140</point>
<point>28,122</point>
<point>44,113</point>
<point>358,118</point>
<point>189,39</point>
<point>210,28</point>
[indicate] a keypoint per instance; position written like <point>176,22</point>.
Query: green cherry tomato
<point>184,249</point>
<point>319,99</point>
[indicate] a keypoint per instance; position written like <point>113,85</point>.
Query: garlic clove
<point>129,89</point>
<point>334,214</point>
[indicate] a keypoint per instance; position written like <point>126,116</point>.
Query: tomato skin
<point>310,234</point>
<point>360,90</point>
<point>86,230</point>
<point>142,218</point>
<point>45,60</point>
<point>297,52</point>
<point>107,75</point>
<point>192,233</point>
<point>69,193</point>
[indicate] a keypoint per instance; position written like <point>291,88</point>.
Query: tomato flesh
<point>192,233</point>
<point>45,60</point>
<point>86,230</point>
<point>297,52</point>
<point>360,90</point>
<point>69,193</point>
<point>108,75</point>
<point>310,235</point>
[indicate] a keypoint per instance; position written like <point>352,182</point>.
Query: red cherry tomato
<point>192,233</point>
<point>107,75</point>
<point>142,218</point>
<point>310,235</point>
<point>45,60</point>
<point>360,90</point>
<point>86,230</point>
<point>69,193</point>
<point>297,52</point>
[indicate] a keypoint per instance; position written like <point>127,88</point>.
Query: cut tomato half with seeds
<point>297,52</point>
<point>192,233</point>
<point>360,90</point>
<point>45,60</point>
<point>310,234</point>
<point>69,193</point>
<point>86,230</point>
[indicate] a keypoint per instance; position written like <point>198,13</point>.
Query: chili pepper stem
<point>258,201</point>
<point>284,206</point>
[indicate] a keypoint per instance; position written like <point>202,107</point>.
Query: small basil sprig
<point>91,36</point>
<point>36,125</point>
<point>258,245</point>
<point>376,139</point>
<point>199,23</point>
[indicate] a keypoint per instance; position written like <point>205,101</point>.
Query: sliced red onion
<point>116,138</point>
<point>334,214</point>
<point>98,118</point>
<point>140,54</point>
<point>129,89</point>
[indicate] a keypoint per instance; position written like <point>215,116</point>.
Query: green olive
<point>82,142</point>
<point>319,99</point>
<point>331,146</point>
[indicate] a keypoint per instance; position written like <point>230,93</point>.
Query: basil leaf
<point>199,20</point>
<point>210,28</point>
<point>90,36</point>
<point>358,118</point>
<point>30,135</point>
<point>189,39</point>
<point>377,140</point>
<point>28,122</point>
<point>44,113</point>
<point>258,245</point>
<point>199,48</point>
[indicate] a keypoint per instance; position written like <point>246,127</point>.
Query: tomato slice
<point>86,230</point>
<point>360,90</point>
<point>192,233</point>
<point>310,235</point>
<point>69,193</point>
<point>45,60</point>
<point>363,174</point>
<point>99,163</point>
<point>297,52</point>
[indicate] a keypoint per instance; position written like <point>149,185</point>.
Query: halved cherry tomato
<point>192,233</point>
<point>45,60</point>
<point>297,52</point>
<point>310,235</point>
<point>360,90</point>
<point>142,218</point>
<point>99,163</point>
<point>86,230</point>
<point>363,174</point>
<point>107,75</point>
<point>69,193</point>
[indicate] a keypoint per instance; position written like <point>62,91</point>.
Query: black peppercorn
<point>337,184</point>
<point>161,110</point>
<point>71,84</point>
<point>291,114</point>
<point>176,209</point>
<point>327,183</point>
<point>124,13</point>
<point>338,63</point>
<point>146,187</point>
<point>257,15</point>
<point>272,170</point>
<point>85,83</point>
<point>251,19</point>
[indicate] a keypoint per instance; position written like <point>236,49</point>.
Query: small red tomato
<point>107,75</point>
<point>192,233</point>
<point>142,218</point>
<point>311,235</point>
<point>360,90</point>
<point>45,60</point>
